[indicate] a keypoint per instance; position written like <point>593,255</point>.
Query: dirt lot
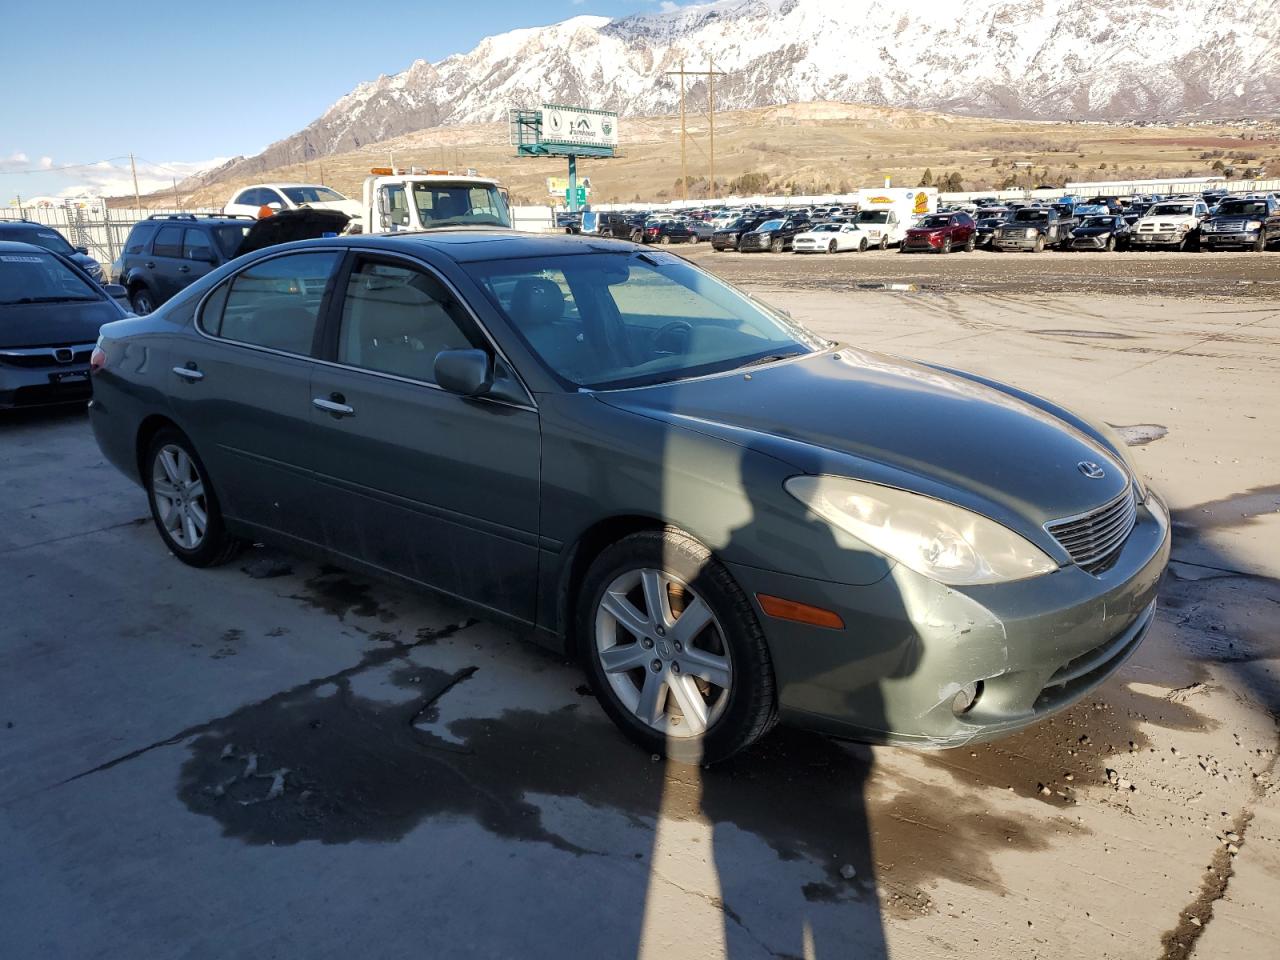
<point>279,759</point>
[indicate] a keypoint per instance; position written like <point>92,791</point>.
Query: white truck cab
<point>400,200</point>
<point>885,216</point>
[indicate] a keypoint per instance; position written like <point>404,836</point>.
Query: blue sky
<point>177,83</point>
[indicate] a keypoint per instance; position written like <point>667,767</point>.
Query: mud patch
<point>336,593</point>
<point>1181,940</point>
<point>1052,760</point>
<point>1140,434</point>
<point>230,640</point>
<point>267,564</point>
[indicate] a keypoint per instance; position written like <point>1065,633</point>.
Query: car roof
<point>476,246</point>
<point>279,183</point>
<point>17,246</point>
<point>26,225</point>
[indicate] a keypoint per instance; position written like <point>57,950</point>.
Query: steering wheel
<point>679,330</point>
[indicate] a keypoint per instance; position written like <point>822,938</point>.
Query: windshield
<point>1171,210</point>
<point>49,239</point>
<point>770,225</point>
<point>1030,216</point>
<point>40,278</point>
<point>826,228</point>
<point>873,216</point>
<point>609,320</point>
<point>992,214</point>
<point>1107,222</point>
<point>301,195</point>
<point>451,204</point>
<point>1243,208</point>
<point>230,237</point>
<point>932,223</point>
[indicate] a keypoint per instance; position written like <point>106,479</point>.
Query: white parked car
<point>830,238</point>
<point>289,196</point>
<point>1172,223</point>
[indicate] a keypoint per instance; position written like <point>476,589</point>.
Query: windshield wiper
<point>772,358</point>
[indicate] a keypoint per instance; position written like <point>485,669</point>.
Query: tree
<point>927,179</point>
<point>954,183</point>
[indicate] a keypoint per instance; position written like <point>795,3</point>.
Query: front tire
<point>832,247</point>
<point>664,240</point>
<point>946,246</point>
<point>142,301</point>
<point>1039,247</point>
<point>776,246</point>
<point>184,505</point>
<point>862,245</point>
<point>673,648</point>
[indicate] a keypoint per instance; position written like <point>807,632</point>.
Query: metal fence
<point>100,230</point>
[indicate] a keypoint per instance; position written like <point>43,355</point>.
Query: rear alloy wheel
<point>832,247</point>
<point>674,650</point>
<point>142,301</point>
<point>971,244</point>
<point>183,504</point>
<point>693,238</point>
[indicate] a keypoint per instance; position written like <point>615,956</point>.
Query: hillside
<point>814,147</point>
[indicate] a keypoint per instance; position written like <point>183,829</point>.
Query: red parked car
<point>942,233</point>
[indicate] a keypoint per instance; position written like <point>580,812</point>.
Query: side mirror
<point>276,205</point>
<point>465,372</point>
<point>115,291</point>
<point>83,251</point>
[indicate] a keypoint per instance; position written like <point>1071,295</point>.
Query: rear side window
<point>196,246</point>
<point>274,303</point>
<point>138,237</point>
<point>168,242</point>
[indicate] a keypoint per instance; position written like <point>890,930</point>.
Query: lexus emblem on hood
<point>1091,470</point>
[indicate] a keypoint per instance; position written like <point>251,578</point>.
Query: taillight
<point>97,359</point>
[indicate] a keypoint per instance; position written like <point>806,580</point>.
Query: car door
<point>427,484</point>
<point>198,255</point>
<point>240,387</point>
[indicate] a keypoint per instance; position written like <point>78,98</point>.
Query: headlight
<point>1029,233</point>
<point>1253,225</point>
<point>933,538</point>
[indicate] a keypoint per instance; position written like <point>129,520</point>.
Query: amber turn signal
<point>799,612</point>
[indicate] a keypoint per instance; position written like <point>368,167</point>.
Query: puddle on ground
<point>336,592</point>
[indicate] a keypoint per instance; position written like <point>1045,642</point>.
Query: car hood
<point>54,324</point>
<point>305,223</point>
<point>890,420</point>
<point>1094,231</point>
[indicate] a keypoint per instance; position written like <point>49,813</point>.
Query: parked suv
<point>1253,223</point>
<point>727,237</point>
<point>1033,228</point>
<point>942,233</point>
<point>620,226</point>
<point>774,235</point>
<point>168,252</point>
<point>1171,223</point>
<point>40,235</point>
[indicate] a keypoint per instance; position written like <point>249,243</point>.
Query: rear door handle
<point>184,269</point>
<point>150,264</point>
<point>189,372</point>
<point>335,406</point>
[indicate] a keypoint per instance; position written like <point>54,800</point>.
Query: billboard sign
<point>559,186</point>
<point>578,126</point>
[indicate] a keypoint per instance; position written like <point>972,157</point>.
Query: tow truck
<point>400,199</point>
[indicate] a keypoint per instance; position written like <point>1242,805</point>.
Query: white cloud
<point>14,161</point>
<point>116,180</point>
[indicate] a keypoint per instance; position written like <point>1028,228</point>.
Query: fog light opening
<point>967,698</point>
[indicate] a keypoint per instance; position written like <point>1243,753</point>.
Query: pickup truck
<point>1033,228</point>
<point>1172,223</point>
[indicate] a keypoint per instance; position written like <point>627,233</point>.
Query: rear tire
<point>733,692</point>
<point>180,494</point>
<point>884,243</point>
<point>971,244</point>
<point>142,301</point>
<point>693,238</point>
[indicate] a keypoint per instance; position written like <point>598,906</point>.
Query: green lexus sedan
<point>727,519</point>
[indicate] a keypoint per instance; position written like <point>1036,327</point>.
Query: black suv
<point>167,252</point>
<point>621,226</point>
<point>775,234</point>
<point>40,235</point>
<point>1250,222</point>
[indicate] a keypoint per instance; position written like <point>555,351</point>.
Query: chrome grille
<point>1094,538</point>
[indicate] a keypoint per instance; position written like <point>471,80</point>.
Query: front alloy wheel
<point>674,649</point>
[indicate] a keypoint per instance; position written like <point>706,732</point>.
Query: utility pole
<point>176,201</point>
<point>134,167</point>
<point>710,73</point>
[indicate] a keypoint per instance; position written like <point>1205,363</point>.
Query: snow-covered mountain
<point>1095,59</point>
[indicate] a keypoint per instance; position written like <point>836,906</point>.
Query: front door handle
<point>189,372</point>
<point>150,264</point>
<point>336,404</point>
<point>184,269</point>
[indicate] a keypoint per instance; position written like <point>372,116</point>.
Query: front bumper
<point>1087,243</point>
<point>44,386</point>
<point>1164,239</point>
<point>1017,243</point>
<point>911,644</point>
<point>1241,239</point>
<point>808,246</point>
